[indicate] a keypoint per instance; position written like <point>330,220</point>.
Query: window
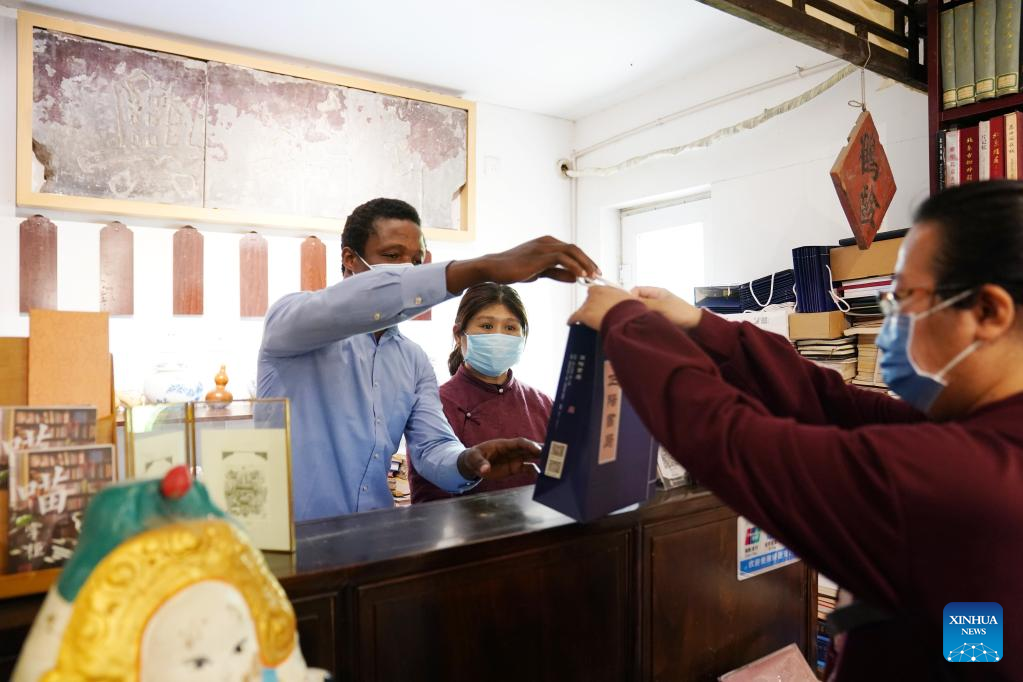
<point>662,245</point>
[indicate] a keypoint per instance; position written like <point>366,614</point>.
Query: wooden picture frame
<point>241,451</point>
<point>176,214</point>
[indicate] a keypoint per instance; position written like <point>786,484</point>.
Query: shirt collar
<point>465,375</point>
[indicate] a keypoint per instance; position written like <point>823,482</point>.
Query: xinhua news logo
<point>972,632</point>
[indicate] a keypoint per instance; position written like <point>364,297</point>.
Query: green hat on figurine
<point>163,586</point>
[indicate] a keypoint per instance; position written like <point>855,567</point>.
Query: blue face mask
<point>493,354</point>
<point>917,387</point>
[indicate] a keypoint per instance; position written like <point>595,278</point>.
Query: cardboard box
<point>817,325</point>
<point>69,360</point>
<point>849,262</point>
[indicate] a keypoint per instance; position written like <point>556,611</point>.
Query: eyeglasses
<point>891,301</point>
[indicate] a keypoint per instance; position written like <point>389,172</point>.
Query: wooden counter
<point>495,587</point>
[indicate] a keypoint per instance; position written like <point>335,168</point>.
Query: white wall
<point>770,187</point>
<point>520,196</point>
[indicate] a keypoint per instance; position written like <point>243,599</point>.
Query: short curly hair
<point>361,223</point>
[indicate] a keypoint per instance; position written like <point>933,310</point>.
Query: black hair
<point>980,226</point>
<point>362,221</point>
<point>475,299</point>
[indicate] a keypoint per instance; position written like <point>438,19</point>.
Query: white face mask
<point>384,267</point>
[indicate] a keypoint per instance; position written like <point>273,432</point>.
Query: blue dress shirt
<point>352,397</point>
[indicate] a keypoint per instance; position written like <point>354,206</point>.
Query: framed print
<point>243,457</point>
<point>124,123</point>
<point>157,439</point>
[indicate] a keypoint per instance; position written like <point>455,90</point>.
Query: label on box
<point>610,416</point>
<point>555,460</point>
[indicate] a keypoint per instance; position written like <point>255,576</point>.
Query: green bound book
<point>948,59</point>
<point>1007,17</point>
<point>984,48</point>
<point>966,82</point>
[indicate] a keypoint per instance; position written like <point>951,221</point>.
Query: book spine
<point>948,59</point>
<point>940,141</point>
<point>968,155</point>
<point>966,81</point>
<point>952,157</point>
<point>1011,147</point>
<point>1018,118</point>
<point>1007,18</point>
<point>997,125</point>
<point>984,150</point>
<point>984,48</point>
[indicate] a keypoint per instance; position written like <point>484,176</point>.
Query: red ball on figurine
<point>175,483</point>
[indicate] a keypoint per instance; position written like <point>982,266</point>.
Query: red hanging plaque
<point>864,180</point>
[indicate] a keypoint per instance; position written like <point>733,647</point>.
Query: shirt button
<point>376,316</point>
<point>376,384</point>
<point>419,300</point>
<point>468,414</point>
<point>364,488</point>
<point>500,390</point>
<point>376,455</point>
<point>378,420</point>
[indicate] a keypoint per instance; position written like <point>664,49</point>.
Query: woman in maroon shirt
<point>483,399</point>
<point>909,509</point>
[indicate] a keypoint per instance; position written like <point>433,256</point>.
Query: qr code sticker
<point>555,459</point>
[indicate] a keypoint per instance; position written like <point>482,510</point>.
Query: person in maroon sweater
<point>483,398</point>
<point>908,508</point>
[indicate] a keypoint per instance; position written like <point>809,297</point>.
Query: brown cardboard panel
<point>188,271</point>
<point>38,264</point>
<point>13,371</point>
<point>117,269</point>
<point>69,360</point>
<point>314,264</point>
<point>253,271</point>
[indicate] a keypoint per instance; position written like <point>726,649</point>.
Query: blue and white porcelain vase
<point>172,383</point>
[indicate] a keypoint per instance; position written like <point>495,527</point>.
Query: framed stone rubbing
<point>122,123</point>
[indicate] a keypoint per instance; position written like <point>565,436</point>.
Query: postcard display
<point>240,450</point>
<point>243,456</point>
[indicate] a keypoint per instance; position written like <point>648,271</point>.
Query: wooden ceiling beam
<point>793,22</point>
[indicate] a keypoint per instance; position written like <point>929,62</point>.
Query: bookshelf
<point>938,119</point>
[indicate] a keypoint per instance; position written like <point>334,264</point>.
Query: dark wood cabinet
<point>495,587</point>
<point>553,613</point>
<point>702,620</point>
<point>314,619</point>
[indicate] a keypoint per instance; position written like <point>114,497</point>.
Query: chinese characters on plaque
<point>609,417</point>
<point>864,181</point>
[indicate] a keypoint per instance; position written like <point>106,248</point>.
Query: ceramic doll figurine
<point>163,587</point>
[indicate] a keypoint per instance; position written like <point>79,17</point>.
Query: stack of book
<point>718,299</point>
<point>980,56</point>
<point>989,150</point>
<point>868,367</point>
<point>837,354</point>
<point>827,597</point>
<point>861,295</point>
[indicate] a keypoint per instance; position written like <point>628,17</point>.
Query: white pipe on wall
<point>798,74</point>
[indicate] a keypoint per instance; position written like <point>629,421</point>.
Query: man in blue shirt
<point>357,385</point>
